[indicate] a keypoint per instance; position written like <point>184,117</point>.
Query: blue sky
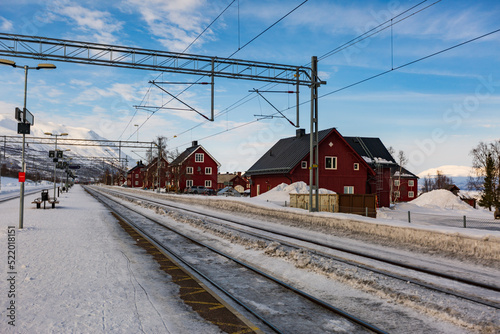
<point>435,110</point>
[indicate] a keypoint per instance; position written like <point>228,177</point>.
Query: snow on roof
<point>282,191</point>
<point>376,160</point>
<point>441,198</point>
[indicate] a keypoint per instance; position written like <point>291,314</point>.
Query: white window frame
<point>356,166</point>
<point>303,164</point>
<point>411,194</point>
<point>411,183</point>
<point>396,183</point>
<point>189,170</point>
<point>397,194</point>
<point>349,190</point>
<point>199,157</point>
<point>258,189</point>
<point>334,165</point>
<point>189,183</point>
<point>208,170</point>
<point>136,182</point>
<point>208,183</point>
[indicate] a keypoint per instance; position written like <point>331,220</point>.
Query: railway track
<point>278,306</point>
<point>17,195</point>
<point>482,292</point>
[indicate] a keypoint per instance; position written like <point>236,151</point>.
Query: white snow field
<point>77,271</point>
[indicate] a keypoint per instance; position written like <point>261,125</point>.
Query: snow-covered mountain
<point>36,156</point>
<point>459,174</point>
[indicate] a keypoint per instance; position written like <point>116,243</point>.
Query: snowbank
<point>441,198</point>
<point>281,193</point>
<point>467,244</point>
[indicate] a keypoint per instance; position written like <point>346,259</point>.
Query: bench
<point>45,198</point>
<point>38,201</point>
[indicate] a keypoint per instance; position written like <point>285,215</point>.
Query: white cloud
<point>101,25</point>
<point>5,25</point>
<point>175,23</point>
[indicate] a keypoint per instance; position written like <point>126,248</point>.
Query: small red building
<point>152,171</point>
<point>135,176</point>
<point>194,167</point>
<point>238,182</point>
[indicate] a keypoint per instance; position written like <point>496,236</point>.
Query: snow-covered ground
<point>11,186</point>
<point>77,271</point>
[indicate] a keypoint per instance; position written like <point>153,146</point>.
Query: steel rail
<point>285,285</point>
<point>337,248</point>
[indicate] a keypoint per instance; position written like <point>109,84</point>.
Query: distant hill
<point>36,156</point>
<point>459,174</point>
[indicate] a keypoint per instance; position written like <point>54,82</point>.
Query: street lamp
<point>23,165</point>
<point>55,150</point>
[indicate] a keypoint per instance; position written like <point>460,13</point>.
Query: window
<point>356,166</point>
<point>396,183</point>
<point>189,183</point>
<point>208,183</point>
<point>348,189</point>
<point>303,165</point>
<point>411,194</point>
<point>330,162</point>
<point>411,183</point>
<point>199,157</point>
<point>189,170</point>
<point>258,189</point>
<point>136,183</point>
<point>208,170</point>
<point>396,194</point>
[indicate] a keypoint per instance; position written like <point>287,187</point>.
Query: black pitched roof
<point>373,148</point>
<point>184,155</point>
<point>285,155</point>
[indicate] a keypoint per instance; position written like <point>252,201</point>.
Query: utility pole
<point>313,139</point>
<point>158,164</point>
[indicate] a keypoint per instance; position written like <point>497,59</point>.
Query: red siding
<point>332,179</point>
<point>199,176</point>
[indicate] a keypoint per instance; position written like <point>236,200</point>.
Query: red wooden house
<point>194,167</point>
<point>347,165</point>
<point>238,182</point>
<point>392,183</point>
<point>340,168</point>
<point>135,176</point>
<point>152,169</point>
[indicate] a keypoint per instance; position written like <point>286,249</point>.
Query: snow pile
<point>282,192</point>
<point>441,198</point>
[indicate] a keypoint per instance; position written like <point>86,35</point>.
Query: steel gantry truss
<point>51,49</point>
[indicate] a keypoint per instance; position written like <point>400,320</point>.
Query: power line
<point>330,53</point>
<point>366,79</point>
<point>369,33</point>
<point>246,44</point>
<point>199,35</point>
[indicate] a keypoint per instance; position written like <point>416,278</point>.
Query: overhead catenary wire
<point>364,80</point>
<point>239,48</point>
<point>338,49</point>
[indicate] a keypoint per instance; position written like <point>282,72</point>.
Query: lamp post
<point>55,150</point>
<point>23,164</point>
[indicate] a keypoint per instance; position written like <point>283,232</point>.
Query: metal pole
<point>213,84</point>
<point>55,163</point>
<point>158,165</point>
<point>23,166</point>
<point>313,139</point>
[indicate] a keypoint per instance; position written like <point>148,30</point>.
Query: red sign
<point>22,177</point>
